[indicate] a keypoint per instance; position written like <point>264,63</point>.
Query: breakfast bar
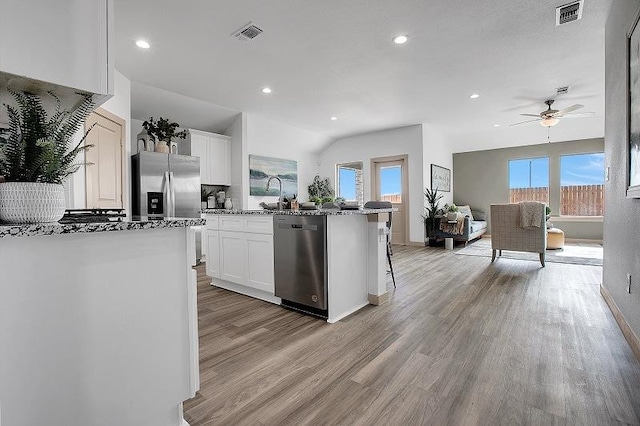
<point>98,323</point>
<point>283,257</point>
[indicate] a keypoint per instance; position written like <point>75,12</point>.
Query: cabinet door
<point>212,243</point>
<point>199,148</point>
<point>233,257</point>
<point>260,262</point>
<point>220,160</point>
<point>66,42</point>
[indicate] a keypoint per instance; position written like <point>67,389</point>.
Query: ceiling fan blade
<point>569,109</point>
<point>525,122</point>
<point>577,115</point>
<point>531,115</point>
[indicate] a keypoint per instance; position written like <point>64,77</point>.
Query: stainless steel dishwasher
<point>300,246</point>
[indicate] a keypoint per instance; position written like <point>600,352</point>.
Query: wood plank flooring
<point>461,341</point>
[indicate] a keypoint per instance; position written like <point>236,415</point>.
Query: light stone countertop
<point>327,212</point>
<point>32,230</point>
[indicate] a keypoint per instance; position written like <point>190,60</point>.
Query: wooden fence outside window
<point>575,200</point>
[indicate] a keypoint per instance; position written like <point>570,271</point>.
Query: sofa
<point>474,226</point>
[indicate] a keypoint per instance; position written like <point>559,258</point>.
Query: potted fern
<point>163,131</point>
<point>37,153</point>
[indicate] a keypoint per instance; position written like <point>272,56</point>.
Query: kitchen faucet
<point>280,183</point>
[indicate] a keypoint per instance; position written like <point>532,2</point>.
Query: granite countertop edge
<point>328,212</point>
<point>32,230</point>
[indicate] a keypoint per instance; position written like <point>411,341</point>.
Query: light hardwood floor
<point>461,341</point>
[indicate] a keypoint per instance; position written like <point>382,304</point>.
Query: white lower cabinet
<point>233,257</point>
<point>212,243</point>
<point>240,250</point>
<point>260,262</point>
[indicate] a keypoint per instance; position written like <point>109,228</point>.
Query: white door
<point>233,257</point>
<point>219,158</point>
<point>104,172</point>
<point>390,184</point>
<point>260,268</point>
<point>213,253</point>
<point>199,148</point>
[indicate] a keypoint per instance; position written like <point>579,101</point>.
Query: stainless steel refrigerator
<point>165,185</point>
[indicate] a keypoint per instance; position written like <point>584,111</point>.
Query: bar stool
<point>385,205</point>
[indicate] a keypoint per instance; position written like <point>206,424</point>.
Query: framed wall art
<point>633,191</point>
<point>440,178</point>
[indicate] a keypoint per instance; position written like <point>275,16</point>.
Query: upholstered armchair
<point>507,234</point>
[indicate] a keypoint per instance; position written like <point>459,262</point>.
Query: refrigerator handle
<point>166,190</point>
<point>172,188</point>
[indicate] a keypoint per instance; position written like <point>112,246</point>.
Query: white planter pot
<point>451,216</point>
<point>31,202</point>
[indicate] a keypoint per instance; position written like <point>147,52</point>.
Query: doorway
<point>104,175</point>
<point>390,183</point>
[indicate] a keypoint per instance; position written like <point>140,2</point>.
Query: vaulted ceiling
<point>336,58</point>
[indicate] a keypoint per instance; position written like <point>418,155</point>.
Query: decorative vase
<point>451,216</point>
<point>31,202</point>
<point>228,205</point>
<point>163,147</point>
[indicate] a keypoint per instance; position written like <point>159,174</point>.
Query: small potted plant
<point>432,210</point>
<point>320,191</point>
<point>37,153</point>
<point>452,212</point>
<point>162,132</point>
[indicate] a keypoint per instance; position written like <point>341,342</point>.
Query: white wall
<point>120,105</point>
<point>436,150</point>
<point>404,140</point>
<point>621,231</point>
<point>272,139</point>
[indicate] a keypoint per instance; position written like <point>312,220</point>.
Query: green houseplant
<point>452,212</point>
<point>320,191</point>
<point>163,131</point>
<point>432,210</point>
<point>37,153</point>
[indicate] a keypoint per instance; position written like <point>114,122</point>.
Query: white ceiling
<point>335,57</point>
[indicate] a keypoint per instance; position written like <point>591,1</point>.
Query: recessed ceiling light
<point>401,39</point>
<point>266,90</point>
<point>143,44</point>
<point>334,118</point>
<point>474,96</point>
<point>496,125</point>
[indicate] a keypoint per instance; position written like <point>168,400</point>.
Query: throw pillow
<point>478,215</point>
<point>465,211</point>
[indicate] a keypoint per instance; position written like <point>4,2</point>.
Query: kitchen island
<point>240,255</point>
<point>98,323</point>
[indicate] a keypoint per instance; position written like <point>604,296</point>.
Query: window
<point>349,182</point>
<point>391,183</point>
<point>582,184</point>
<point>529,180</point>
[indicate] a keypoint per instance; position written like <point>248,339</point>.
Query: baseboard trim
<point>379,299</point>
<point>629,334</point>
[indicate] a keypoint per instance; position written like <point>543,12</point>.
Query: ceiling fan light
<point>549,122</point>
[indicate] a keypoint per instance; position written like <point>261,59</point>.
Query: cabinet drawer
<point>259,224</point>
<point>212,222</point>
<point>231,223</point>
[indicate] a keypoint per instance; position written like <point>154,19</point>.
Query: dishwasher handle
<point>297,227</point>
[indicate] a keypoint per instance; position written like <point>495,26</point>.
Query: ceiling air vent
<point>562,90</point>
<point>569,12</point>
<point>248,32</point>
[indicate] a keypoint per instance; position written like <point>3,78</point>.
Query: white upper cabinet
<point>215,156</point>
<point>64,42</point>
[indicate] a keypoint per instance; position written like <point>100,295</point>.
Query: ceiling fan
<point>550,117</point>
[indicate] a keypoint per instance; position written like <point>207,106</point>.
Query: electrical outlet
<point>629,283</point>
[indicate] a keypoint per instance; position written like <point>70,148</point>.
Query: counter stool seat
<point>555,238</point>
